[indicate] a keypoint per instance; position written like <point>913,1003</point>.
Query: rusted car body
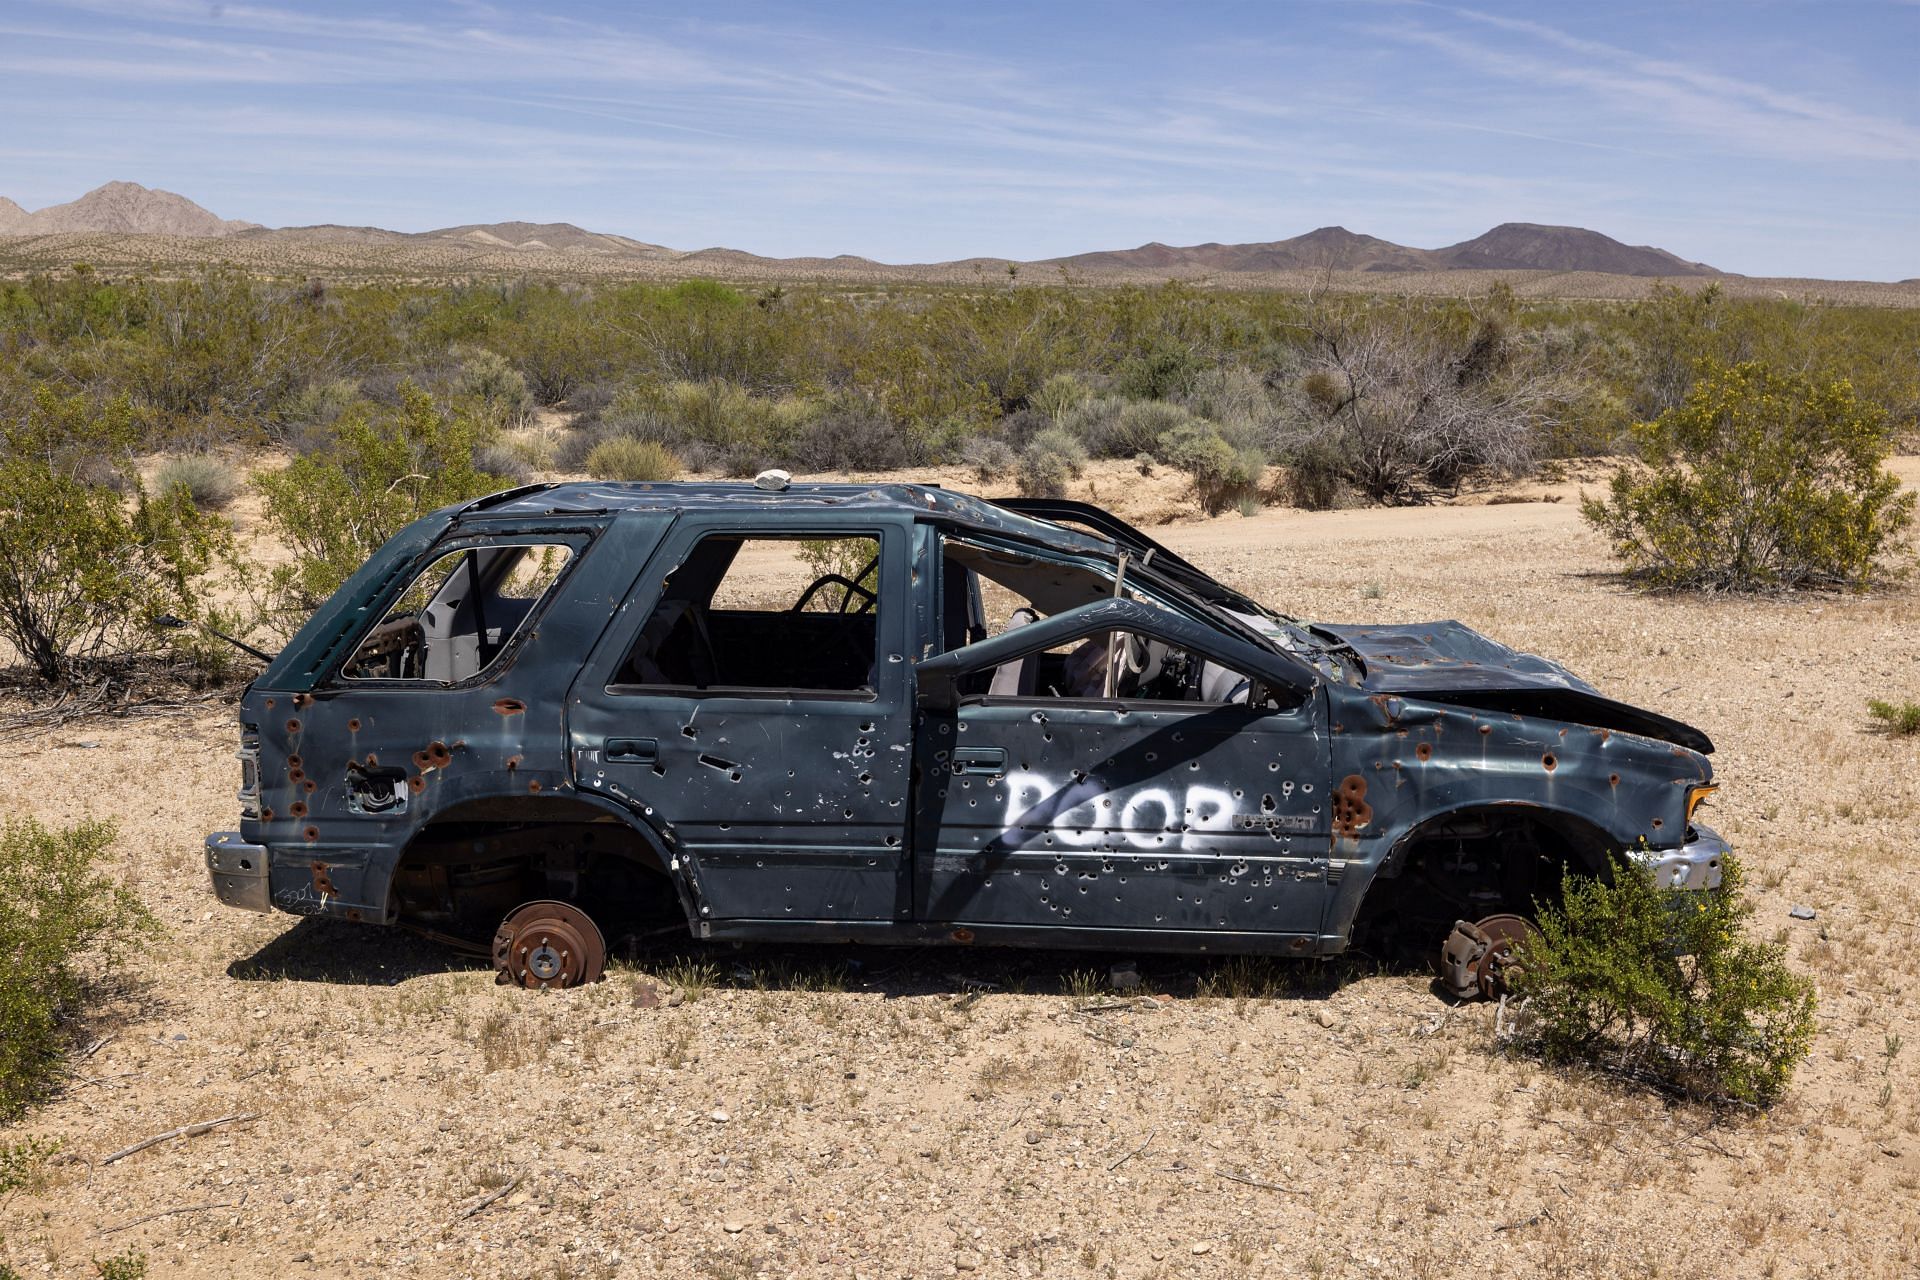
<point>562,710</point>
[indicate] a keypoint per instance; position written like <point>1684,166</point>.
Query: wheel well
<point>1474,863</point>
<point>462,872</point>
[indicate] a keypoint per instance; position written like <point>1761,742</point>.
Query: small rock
<point>1203,1247</point>
<point>1801,913</point>
<point>676,998</point>
<point>303,1257</point>
<point>1326,1019</point>
<point>1033,1137</point>
<point>719,1116</point>
<point>965,1261</point>
<point>1125,976</point>
<point>645,997</point>
<point>733,1228</point>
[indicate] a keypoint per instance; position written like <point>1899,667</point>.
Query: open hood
<point>1451,662</point>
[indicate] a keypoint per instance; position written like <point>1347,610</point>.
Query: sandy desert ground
<point>903,1114</point>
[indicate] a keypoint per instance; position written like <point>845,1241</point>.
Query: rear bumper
<point>1694,865</point>
<point>239,872</point>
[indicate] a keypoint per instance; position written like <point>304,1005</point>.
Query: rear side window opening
<point>789,614</point>
<point>459,614</point>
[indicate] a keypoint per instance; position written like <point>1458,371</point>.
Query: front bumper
<point>1694,865</point>
<point>239,872</point>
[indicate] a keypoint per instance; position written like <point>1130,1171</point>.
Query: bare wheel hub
<point>1479,959</point>
<point>548,944</point>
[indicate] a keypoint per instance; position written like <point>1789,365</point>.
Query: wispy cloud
<point>912,133</point>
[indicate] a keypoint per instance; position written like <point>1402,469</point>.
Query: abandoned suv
<point>900,714</point>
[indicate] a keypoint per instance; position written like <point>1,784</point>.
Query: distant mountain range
<point>127,208</point>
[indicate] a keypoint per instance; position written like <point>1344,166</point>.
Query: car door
<point>1107,813</point>
<point>767,744</point>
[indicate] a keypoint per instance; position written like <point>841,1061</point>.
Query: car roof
<point>921,501</point>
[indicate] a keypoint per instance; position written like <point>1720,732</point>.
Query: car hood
<point>1451,662</point>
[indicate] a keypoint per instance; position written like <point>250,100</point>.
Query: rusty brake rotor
<point>548,944</point>
<point>1478,958</point>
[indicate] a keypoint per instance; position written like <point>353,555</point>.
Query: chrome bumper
<point>238,871</point>
<point>1694,865</point>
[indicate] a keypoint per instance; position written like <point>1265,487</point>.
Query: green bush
<point>1050,460</point>
<point>1759,479</point>
<point>1222,475</point>
<point>208,481</point>
<point>1662,985</point>
<point>494,384</point>
<point>1317,471</point>
<point>83,570</point>
<point>305,419</point>
<point>1059,395</point>
<point>334,508</point>
<point>64,922</point>
<point>625,458</point>
<point>1115,428</point>
<point>1902,718</point>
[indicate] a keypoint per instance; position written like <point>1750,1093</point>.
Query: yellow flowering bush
<point>1663,985</point>
<point>1759,480</point>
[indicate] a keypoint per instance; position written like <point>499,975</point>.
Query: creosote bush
<point>1758,480</point>
<point>1663,986</point>
<point>334,508</point>
<point>63,923</point>
<point>85,566</point>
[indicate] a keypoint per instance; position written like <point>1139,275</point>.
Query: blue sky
<point>1767,138</point>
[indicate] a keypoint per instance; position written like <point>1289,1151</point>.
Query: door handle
<point>633,750</point>
<point>979,760</point>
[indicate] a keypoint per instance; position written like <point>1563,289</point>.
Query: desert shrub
<point>208,481</point>
<point>1222,475</point>
<point>1421,400</point>
<point>1159,368</point>
<point>1058,395</point>
<point>496,385</point>
<point>721,420</point>
<point>1230,393</point>
<point>1316,470</point>
<point>1663,985</point>
<point>1113,428</point>
<point>625,458</point>
<point>504,463</point>
<point>336,507</point>
<point>64,922</point>
<point>989,459</point>
<point>83,570</point>
<point>305,419</point>
<point>1050,460</point>
<point>1900,718</point>
<point>850,434</point>
<point>1758,479</point>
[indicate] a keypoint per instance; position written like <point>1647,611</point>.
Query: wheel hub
<point>548,944</point>
<point>1480,959</point>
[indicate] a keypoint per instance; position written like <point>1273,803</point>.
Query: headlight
<point>1697,796</point>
